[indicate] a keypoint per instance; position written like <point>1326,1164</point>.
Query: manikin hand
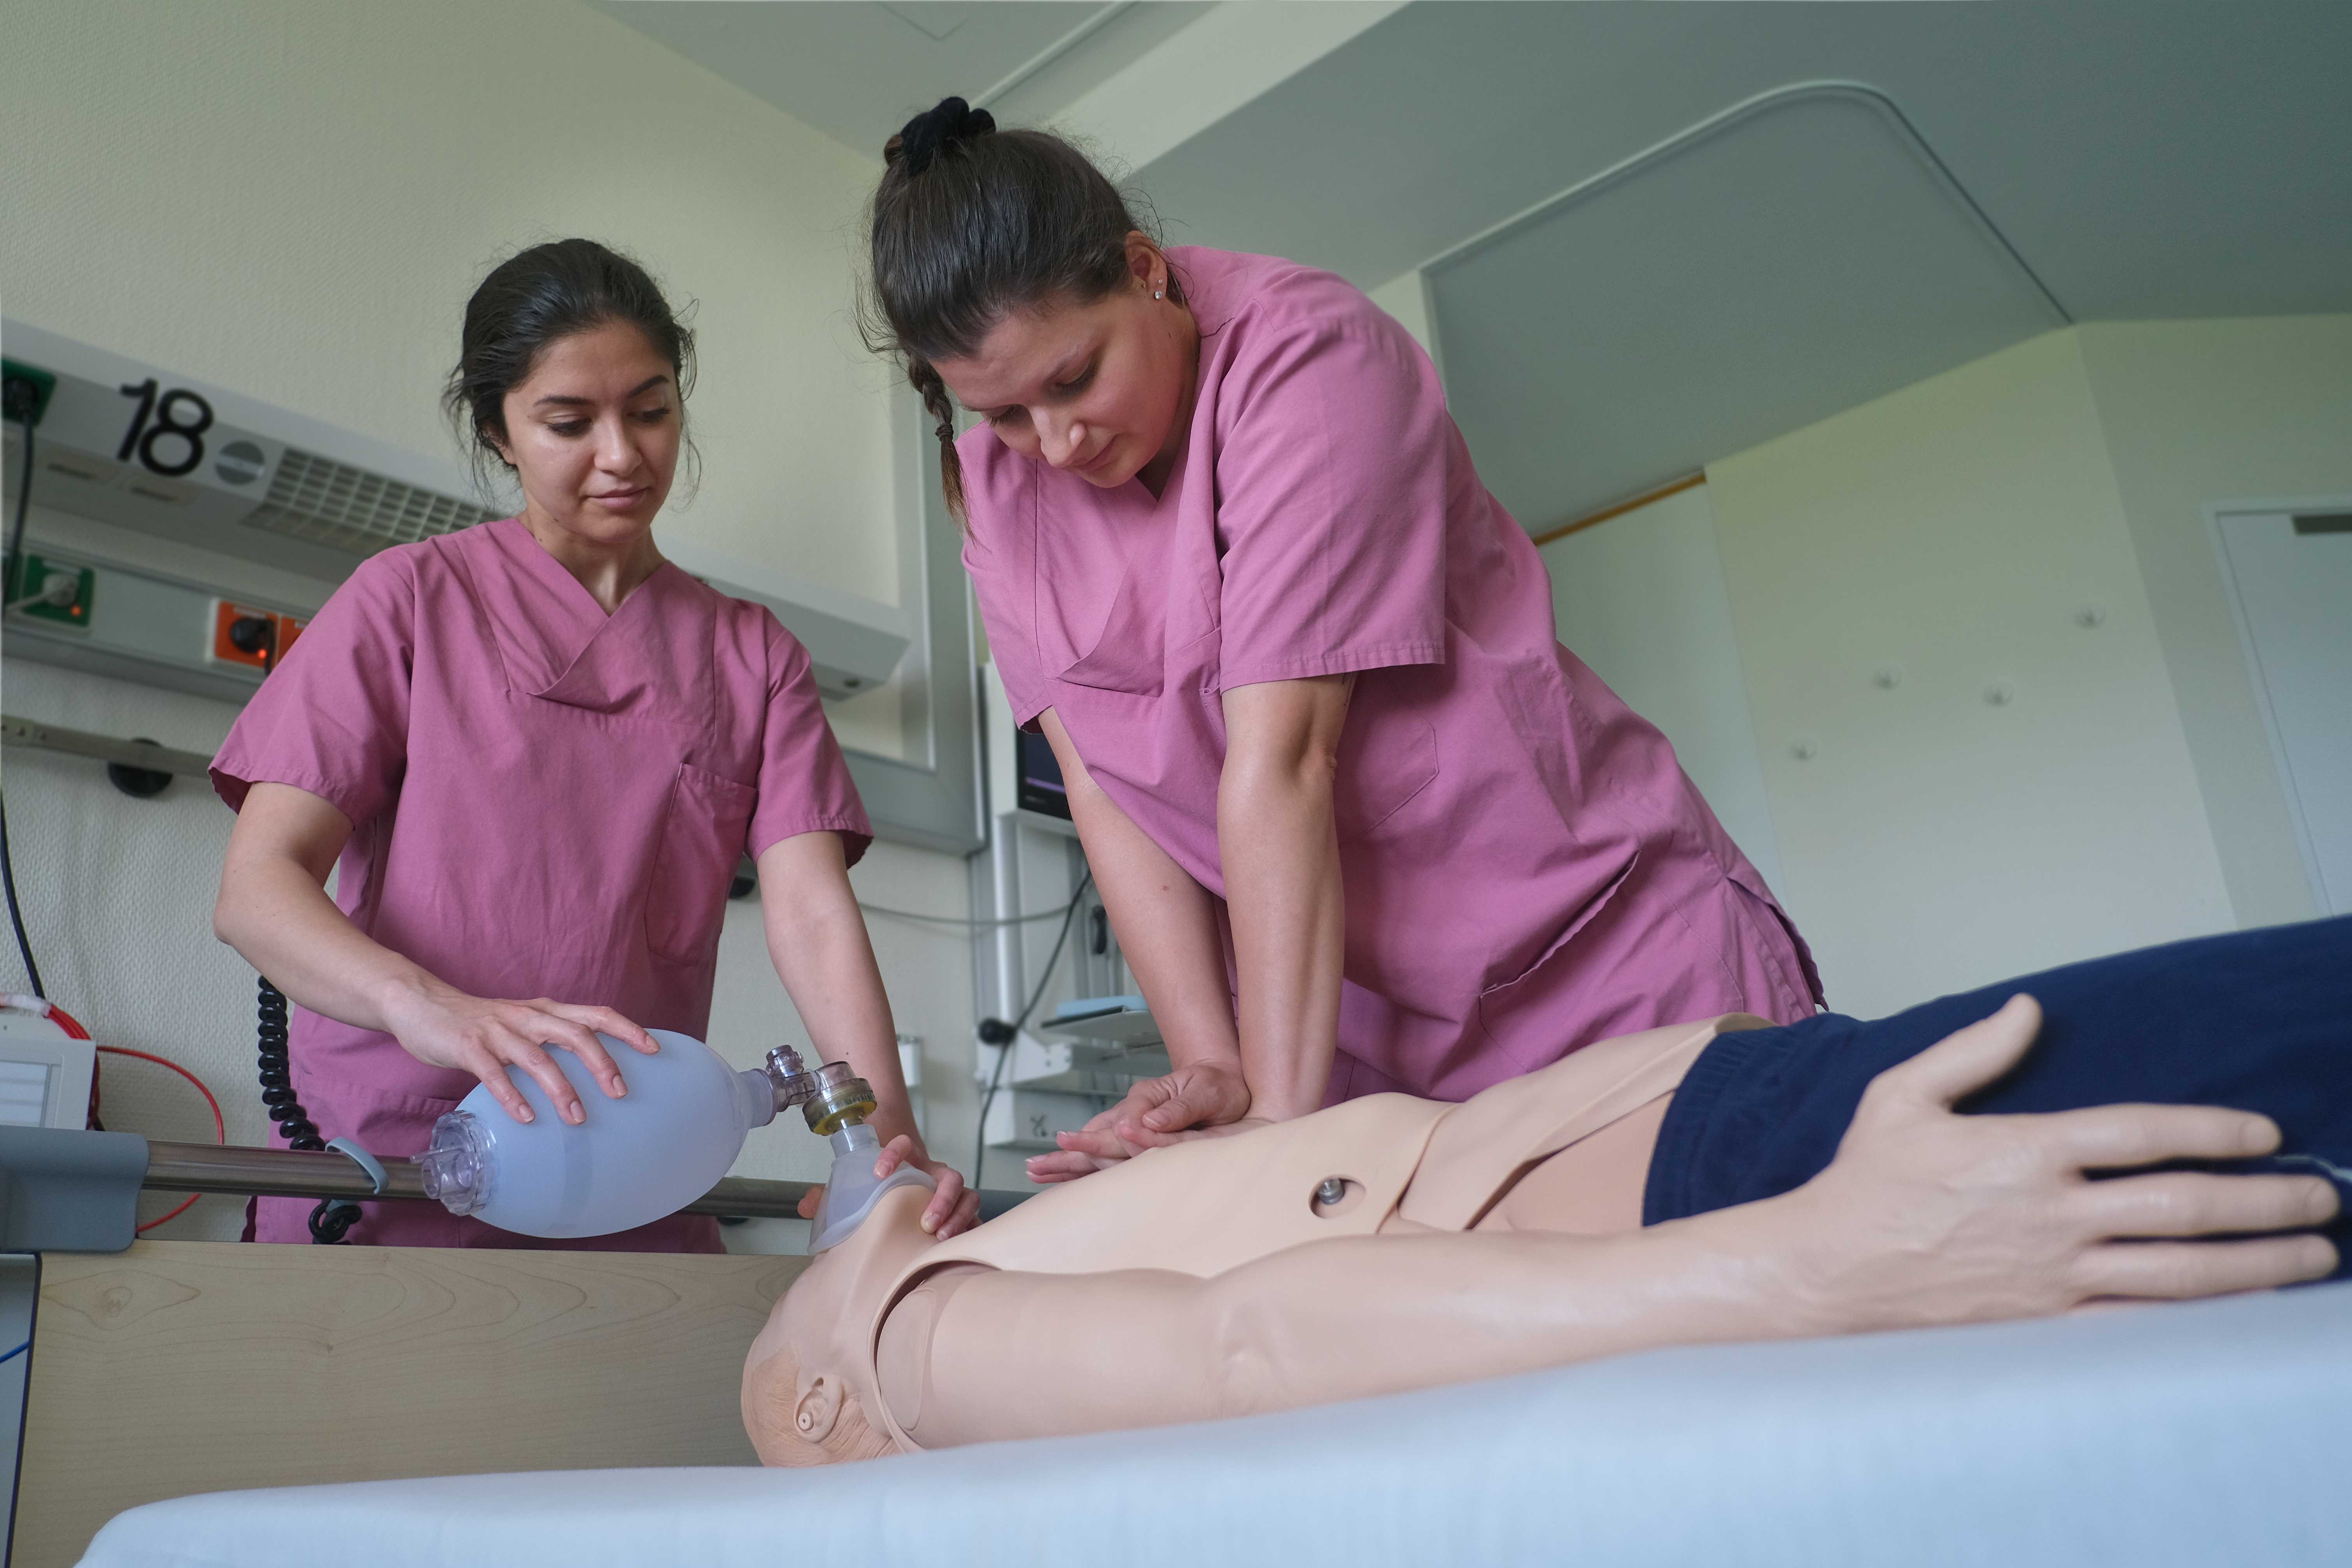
<point>953,1209</point>
<point>1927,1217</point>
<point>1205,1098</point>
<point>442,1025</point>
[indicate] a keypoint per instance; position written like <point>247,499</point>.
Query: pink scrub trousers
<point>1527,868</point>
<point>545,801</point>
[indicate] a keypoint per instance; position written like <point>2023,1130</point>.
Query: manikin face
<point>808,1379</point>
<point>1103,389</point>
<point>592,433</point>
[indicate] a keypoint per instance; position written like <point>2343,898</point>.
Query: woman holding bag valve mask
<point>538,752</point>
<point>1363,824</point>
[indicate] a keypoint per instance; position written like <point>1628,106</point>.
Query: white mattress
<point>2195,1435</point>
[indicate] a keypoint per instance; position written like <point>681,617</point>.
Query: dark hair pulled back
<point>530,302</point>
<point>970,223</point>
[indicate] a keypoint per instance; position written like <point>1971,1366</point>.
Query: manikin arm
<point>1925,1217</point>
<point>1033,1355</point>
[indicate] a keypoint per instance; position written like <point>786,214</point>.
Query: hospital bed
<point>2197,1433</point>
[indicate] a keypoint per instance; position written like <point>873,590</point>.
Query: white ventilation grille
<point>332,503</point>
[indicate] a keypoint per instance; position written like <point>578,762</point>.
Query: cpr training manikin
<point>1724,1180</point>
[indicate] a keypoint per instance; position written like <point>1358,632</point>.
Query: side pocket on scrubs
<point>703,835</point>
<point>1508,1012</point>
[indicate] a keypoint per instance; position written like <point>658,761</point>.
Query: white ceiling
<point>2142,160</point>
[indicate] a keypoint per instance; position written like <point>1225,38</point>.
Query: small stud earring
<point>1156,293</point>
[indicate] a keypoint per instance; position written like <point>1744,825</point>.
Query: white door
<point>2291,576</point>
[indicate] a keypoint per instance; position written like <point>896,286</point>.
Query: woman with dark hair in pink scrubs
<point>538,752</point>
<point>1362,823</point>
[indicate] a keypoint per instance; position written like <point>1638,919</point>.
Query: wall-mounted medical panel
<point>140,448</point>
<point>158,498</point>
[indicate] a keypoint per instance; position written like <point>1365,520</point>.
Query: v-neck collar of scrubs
<point>559,644</point>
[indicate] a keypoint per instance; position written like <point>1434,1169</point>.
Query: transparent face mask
<point>852,1189</point>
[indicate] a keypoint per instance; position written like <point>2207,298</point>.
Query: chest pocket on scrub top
<point>1129,655</point>
<point>703,835</point>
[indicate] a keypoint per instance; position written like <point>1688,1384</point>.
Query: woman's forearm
<point>817,939</point>
<point>273,909</point>
<point>1278,842</point>
<point>1167,922</point>
<point>287,929</point>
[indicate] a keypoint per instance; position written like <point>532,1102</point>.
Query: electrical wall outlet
<point>54,591</point>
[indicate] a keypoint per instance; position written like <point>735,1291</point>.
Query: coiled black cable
<point>333,1219</point>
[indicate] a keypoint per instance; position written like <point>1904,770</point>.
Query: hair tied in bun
<point>934,131</point>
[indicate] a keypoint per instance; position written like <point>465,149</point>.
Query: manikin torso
<point>1564,1149</point>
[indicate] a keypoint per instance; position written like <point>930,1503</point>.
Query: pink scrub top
<point>545,801</point>
<point>1526,868</point>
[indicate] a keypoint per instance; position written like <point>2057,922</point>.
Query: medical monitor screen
<point>1041,787</point>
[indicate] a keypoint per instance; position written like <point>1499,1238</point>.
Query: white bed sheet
<point>2205,1434</point>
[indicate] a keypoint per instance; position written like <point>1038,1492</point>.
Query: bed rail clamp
<point>62,1190</point>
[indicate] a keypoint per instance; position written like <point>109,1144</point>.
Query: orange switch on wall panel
<point>282,632</point>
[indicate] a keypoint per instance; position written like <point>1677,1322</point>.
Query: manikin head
<point>808,1381</point>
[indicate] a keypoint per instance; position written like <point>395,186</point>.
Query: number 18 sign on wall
<point>153,453</point>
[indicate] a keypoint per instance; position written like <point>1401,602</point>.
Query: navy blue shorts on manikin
<point>2261,1020</point>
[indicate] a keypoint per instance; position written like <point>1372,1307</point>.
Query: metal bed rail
<point>285,1173</point>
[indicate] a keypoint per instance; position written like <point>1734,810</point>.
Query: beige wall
<point>2212,411</point>
<point>293,198</point>
<point>1953,537</point>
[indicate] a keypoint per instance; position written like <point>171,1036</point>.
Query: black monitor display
<point>1041,788</point>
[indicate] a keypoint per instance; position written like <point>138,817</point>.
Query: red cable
<point>72,1026</point>
<point>220,1128</point>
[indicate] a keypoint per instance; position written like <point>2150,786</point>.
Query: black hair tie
<point>934,131</point>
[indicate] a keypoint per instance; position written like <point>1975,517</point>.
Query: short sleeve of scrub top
<point>332,718</point>
<point>1330,475</point>
<point>804,784</point>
